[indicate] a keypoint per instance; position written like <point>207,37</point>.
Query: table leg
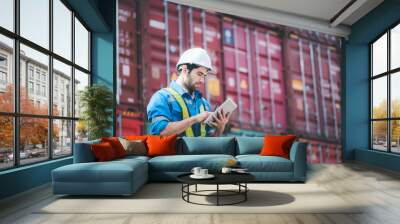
<point>245,193</point>
<point>217,194</point>
<point>196,188</point>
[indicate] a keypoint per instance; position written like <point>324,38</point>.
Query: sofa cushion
<point>161,145</point>
<point>249,145</point>
<point>116,145</point>
<point>277,145</point>
<point>206,145</point>
<point>133,147</point>
<point>103,152</point>
<point>257,163</point>
<point>83,152</point>
<point>185,163</point>
<point>112,171</point>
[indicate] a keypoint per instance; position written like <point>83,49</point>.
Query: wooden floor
<point>377,188</point>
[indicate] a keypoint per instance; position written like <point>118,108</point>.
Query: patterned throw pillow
<point>133,147</point>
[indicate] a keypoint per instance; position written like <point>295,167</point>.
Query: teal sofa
<point>125,176</point>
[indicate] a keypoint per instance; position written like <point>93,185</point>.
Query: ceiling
<point>328,16</point>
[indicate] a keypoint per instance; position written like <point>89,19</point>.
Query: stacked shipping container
<point>283,79</point>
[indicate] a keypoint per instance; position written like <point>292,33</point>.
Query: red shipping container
<point>313,87</point>
<point>252,58</point>
<point>323,152</point>
<point>127,80</point>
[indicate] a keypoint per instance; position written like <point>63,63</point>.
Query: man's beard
<point>190,88</point>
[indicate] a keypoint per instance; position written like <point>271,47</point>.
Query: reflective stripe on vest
<point>185,112</point>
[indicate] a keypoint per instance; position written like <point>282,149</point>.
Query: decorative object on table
<point>200,173</point>
<point>231,163</point>
<point>96,102</point>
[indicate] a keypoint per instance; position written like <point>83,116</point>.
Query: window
<point>38,89</point>
<point>39,81</point>
<point>30,87</point>
<point>30,72</point>
<point>385,94</point>
<point>7,14</point>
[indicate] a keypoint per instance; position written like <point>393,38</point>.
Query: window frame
<point>15,68</point>
<point>388,74</point>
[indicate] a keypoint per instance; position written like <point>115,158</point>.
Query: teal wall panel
<point>356,79</point>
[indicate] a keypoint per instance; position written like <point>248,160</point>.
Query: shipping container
<point>128,95</point>
<point>313,87</point>
<point>323,152</point>
<point>253,76</point>
<point>129,123</point>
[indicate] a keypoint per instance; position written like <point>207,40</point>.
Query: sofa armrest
<point>83,152</point>
<point>298,157</point>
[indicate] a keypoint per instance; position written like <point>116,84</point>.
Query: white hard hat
<point>196,56</point>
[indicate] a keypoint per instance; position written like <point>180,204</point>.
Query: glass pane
<point>62,29</point>
<point>379,55</point>
<point>81,131</point>
<point>379,135</point>
<point>379,98</point>
<point>62,138</point>
<point>395,94</point>
<point>81,45</point>
<point>395,47</point>
<point>33,139</point>
<point>81,81</point>
<point>395,136</point>
<point>6,142</point>
<point>7,14</point>
<point>62,89</point>
<point>35,21</point>
<point>34,68</point>
<point>6,74</point>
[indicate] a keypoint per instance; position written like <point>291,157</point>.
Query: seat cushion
<point>111,171</point>
<point>185,163</point>
<point>257,163</point>
<point>249,145</point>
<point>206,145</point>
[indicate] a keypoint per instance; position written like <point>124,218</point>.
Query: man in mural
<point>180,108</point>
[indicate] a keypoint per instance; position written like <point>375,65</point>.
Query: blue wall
<point>100,17</point>
<point>356,120</point>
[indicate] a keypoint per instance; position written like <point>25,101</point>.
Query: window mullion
<point>16,84</point>
<point>50,79</point>
<point>73,82</point>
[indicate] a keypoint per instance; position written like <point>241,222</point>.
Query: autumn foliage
<point>33,131</point>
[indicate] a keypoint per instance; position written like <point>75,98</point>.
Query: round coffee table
<point>238,179</point>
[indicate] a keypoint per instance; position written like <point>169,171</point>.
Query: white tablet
<point>228,107</point>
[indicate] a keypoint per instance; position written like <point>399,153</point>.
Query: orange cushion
<point>136,137</point>
<point>277,145</point>
<point>103,151</point>
<point>161,145</point>
<point>116,145</point>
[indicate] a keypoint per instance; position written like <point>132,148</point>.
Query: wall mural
<point>284,79</point>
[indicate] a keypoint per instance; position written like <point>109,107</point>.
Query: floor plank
<point>377,190</point>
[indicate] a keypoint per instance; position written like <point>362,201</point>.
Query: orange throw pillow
<point>103,152</point>
<point>116,145</point>
<point>161,145</point>
<point>136,137</point>
<point>277,145</point>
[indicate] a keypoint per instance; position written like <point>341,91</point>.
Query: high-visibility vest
<point>185,113</point>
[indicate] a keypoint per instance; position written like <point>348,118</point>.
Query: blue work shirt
<point>164,108</point>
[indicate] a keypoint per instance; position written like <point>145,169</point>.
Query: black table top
<point>220,178</point>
